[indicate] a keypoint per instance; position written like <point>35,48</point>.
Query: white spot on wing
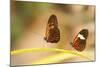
<point>81,36</point>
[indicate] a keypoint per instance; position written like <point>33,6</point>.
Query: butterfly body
<point>52,34</point>
<point>79,42</point>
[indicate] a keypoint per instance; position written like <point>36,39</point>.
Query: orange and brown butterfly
<point>79,42</point>
<point>52,34</point>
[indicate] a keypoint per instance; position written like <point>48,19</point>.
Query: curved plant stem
<point>47,49</point>
<point>57,58</point>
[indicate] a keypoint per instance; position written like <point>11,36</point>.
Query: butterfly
<point>79,42</point>
<point>52,34</point>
